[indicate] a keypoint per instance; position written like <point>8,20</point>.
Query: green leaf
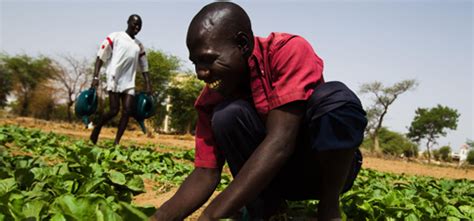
<point>129,212</point>
<point>7,185</point>
<point>90,185</point>
<point>136,184</point>
<point>411,217</point>
<point>78,208</point>
<point>58,217</point>
<point>453,211</point>
<point>3,138</point>
<point>32,209</point>
<point>467,210</point>
<point>117,177</point>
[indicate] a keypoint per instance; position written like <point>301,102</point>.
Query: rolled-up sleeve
<point>206,154</point>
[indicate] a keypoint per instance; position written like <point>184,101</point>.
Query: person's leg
<point>238,131</point>
<point>337,136</point>
<point>334,167</point>
<point>128,102</point>
<point>114,105</point>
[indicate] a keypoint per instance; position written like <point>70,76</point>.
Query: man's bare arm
<point>193,193</point>
<point>282,126</point>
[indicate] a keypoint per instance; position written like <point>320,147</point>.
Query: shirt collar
<point>256,59</point>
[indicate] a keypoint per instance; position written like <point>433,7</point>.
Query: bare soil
<point>156,195</point>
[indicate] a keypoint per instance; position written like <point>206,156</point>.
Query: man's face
<point>134,25</point>
<point>218,61</point>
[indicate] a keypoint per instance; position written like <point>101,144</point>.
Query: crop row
<point>49,176</point>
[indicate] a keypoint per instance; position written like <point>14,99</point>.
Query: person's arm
<point>282,124</point>
<point>193,193</point>
<point>146,76</point>
<point>95,77</point>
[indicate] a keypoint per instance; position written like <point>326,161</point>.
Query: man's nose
<point>203,73</point>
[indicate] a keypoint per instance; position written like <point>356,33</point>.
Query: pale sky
<point>359,41</point>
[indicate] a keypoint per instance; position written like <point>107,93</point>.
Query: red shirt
<point>283,68</point>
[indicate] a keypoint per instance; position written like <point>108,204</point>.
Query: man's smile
<point>215,84</point>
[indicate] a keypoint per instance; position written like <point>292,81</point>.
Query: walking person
<point>122,54</point>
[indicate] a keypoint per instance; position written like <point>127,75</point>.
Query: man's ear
<point>243,42</point>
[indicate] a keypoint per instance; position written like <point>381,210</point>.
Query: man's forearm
<point>263,164</point>
<point>97,66</point>
<point>192,194</point>
<point>146,76</point>
<point>254,176</point>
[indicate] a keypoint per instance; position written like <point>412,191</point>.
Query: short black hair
<point>134,15</point>
<point>235,18</point>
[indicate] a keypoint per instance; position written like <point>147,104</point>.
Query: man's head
<point>134,25</point>
<point>220,41</point>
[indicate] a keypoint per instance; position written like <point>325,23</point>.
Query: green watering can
<point>86,105</point>
<point>145,108</point>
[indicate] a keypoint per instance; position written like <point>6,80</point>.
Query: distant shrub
<point>445,153</point>
<point>470,157</point>
<point>393,143</point>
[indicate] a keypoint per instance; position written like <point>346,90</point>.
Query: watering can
<point>86,105</point>
<point>145,108</point>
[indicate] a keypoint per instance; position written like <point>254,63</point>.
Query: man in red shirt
<point>267,112</point>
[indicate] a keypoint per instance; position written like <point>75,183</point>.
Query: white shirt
<point>122,55</point>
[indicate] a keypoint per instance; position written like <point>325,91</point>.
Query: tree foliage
<point>470,143</point>
<point>430,124</point>
<point>470,157</point>
<point>6,81</point>
<point>184,90</point>
<point>393,143</point>
<point>27,73</point>
<point>383,97</point>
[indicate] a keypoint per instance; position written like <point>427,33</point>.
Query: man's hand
<point>191,195</point>
<point>148,89</point>
<point>95,83</point>
<point>282,129</point>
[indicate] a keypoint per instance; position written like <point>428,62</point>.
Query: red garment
<point>283,68</point>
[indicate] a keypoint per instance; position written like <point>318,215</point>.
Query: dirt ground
<point>156,197</point>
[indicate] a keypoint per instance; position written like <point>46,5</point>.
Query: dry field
<point>155,196</point>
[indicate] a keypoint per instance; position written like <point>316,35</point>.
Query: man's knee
<point>226,115</point>
<point>128,111</point>
<point>113,112</point>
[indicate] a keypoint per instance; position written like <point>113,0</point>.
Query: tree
<point>470,143</point>
<point>383,98</point>
<point>162,68</point>
<point>27,73</point>
<point>470,157</point>
<point>5,81</point>
<point>44,102</point>
<point>72,77</point>
<point>184,90</point>
<point>430,124</point>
